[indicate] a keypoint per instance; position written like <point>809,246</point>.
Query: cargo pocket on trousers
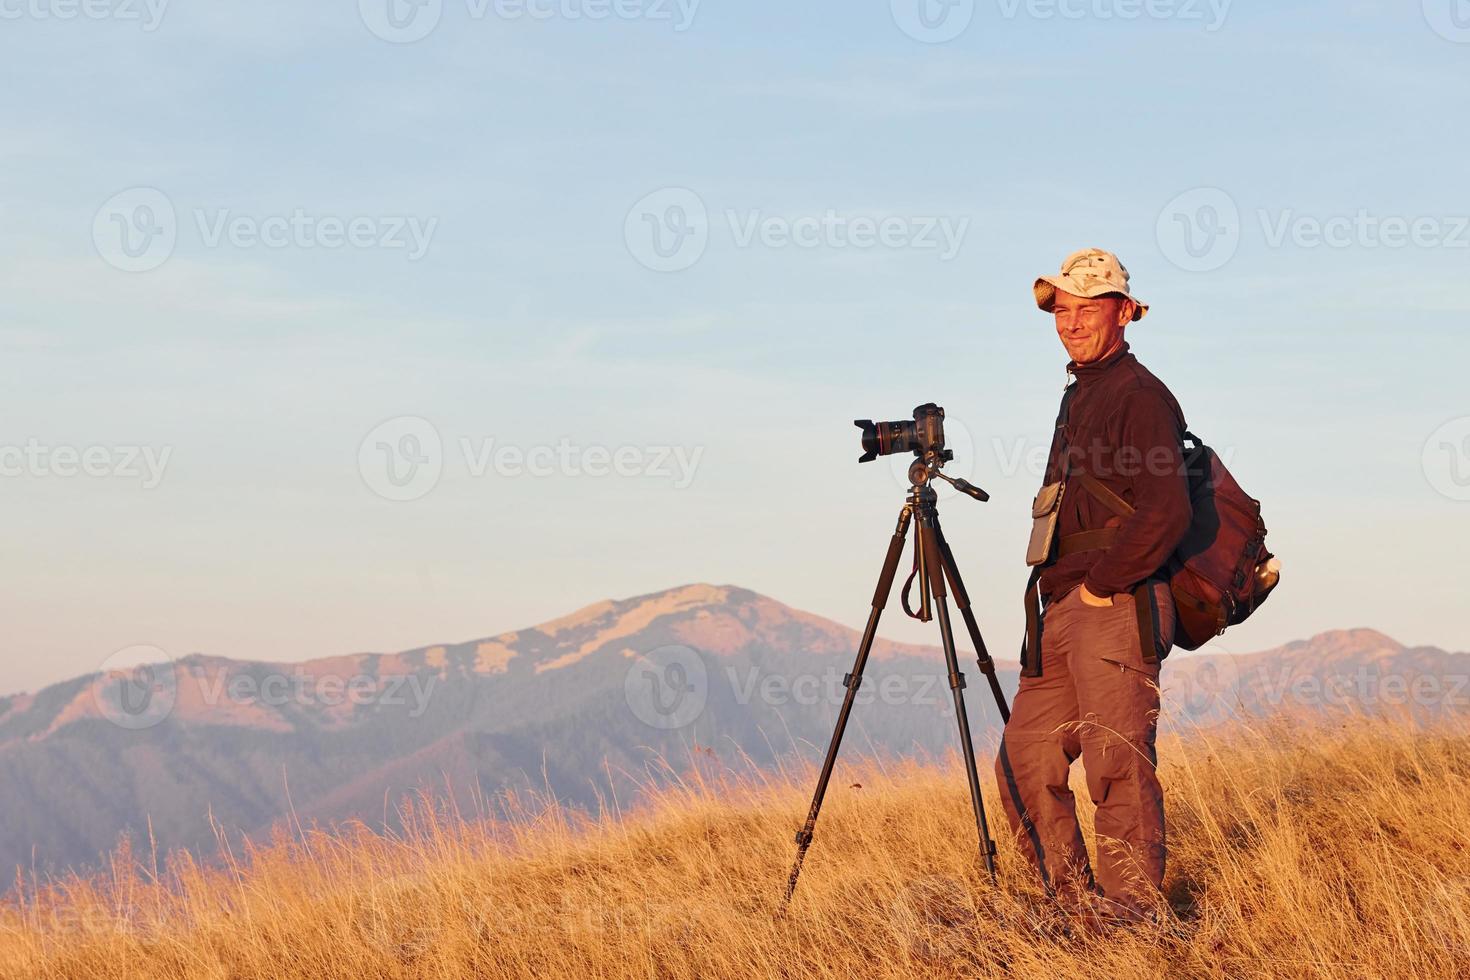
<point>1110,770</point>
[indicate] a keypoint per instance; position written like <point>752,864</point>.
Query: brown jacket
<point>1125,428</point>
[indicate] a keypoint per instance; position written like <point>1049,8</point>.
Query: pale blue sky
<point>523,145</point>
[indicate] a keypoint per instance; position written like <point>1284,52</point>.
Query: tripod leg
<point>851,682</point>
<point>928,527</point>
<point>962,601</point>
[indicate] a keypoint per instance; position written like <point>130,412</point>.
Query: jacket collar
<point>1085,373</point>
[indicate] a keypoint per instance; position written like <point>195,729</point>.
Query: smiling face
<point>1091,329</point>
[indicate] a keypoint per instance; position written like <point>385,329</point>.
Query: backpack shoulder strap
<point>1031,642</point>
<point>1060,444</point>
<point>1106,497</point>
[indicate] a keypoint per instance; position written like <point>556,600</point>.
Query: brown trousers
<point>1097,698</point>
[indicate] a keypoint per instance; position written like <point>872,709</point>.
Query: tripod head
<point>923,504</point>
<point>931,465</point>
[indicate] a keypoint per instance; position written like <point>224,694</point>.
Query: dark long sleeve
<point>1148,433</point>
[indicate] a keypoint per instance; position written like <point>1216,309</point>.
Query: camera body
<point>924,435</point>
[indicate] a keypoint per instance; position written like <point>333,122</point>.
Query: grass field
<point>1339,851</point>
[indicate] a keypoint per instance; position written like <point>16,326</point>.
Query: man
<point>1090,674</point>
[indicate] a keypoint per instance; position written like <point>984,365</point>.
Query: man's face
<point>1091,328</point>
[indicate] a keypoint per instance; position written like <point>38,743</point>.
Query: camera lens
<point>886,438</point>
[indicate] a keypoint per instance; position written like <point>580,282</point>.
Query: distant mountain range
<point>590,707</point>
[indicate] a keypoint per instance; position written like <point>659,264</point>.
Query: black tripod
<point>933,564</point>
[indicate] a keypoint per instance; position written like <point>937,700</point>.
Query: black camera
<point>923,435</point>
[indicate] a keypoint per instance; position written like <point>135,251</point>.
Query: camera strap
<point>1031,643</point>
<point>908,583</point>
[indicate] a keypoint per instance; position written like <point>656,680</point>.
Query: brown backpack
<point>1221,571</point>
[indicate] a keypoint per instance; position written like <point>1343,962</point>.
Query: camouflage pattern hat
<point>1088,273</point>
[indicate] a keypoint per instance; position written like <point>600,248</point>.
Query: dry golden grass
<point>1339,852</point>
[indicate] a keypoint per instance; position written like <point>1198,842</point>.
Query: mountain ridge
<point>564,706</point>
